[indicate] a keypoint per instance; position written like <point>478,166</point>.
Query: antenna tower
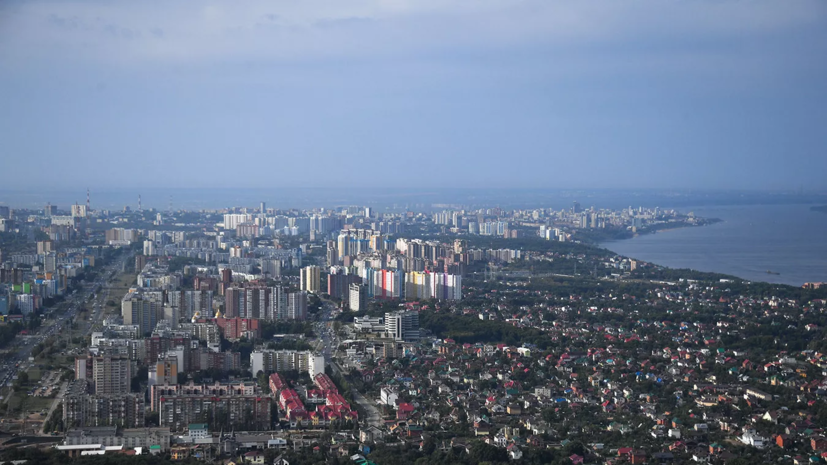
<point>88,203</point>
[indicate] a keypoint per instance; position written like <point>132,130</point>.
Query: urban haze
<point>413,232</point>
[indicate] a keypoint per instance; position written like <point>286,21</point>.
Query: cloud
<point>487,88</point>
<point>219,31</point>
<point>342,22</point>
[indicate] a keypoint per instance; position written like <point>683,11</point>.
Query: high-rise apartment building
<point>80,409</point>
<point>121,235</point>
<point>190,303</point>
<point>332,256</point>
<point>323,224</point>
<point>143,310</point>
<point>26,303</point>
<point>384,284</point>
<point>164,371</point>
<point>111,375</point>
<point>232,301</point>
<point>446,286</point>
<point>270,267</point>
<point>343,245</point>
<point>83,368</point>
<point>227,411</point>
<point>50,262</point>
<point>339,281</point>
<point>297,306</point>
<point>255,301</point>
<point>427,285</point>
<point>247,230</point>
<point>44,247</point>
<point>232,220</point>
<point>418,285</point>
<point>236,328</point>
<point>79,211</point>
<point>357,300</point>
<point>311,279</point>
<point>140,262</point>
<point>239,406</point>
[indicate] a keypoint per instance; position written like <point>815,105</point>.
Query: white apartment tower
<point>311,279</point>
<point>357,297</point>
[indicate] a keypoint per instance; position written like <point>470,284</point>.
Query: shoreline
<point>676,227</point>
<point>657,231</point>
<point>731,250</point>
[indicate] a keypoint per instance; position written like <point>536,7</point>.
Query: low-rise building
<point>108,436</point>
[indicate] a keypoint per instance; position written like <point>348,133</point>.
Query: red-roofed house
<point>404,411</point>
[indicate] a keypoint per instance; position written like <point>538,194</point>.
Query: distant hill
<point>822,209</point>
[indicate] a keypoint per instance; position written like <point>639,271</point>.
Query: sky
<point>422,93</point>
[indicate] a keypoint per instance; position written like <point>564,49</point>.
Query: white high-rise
<point>269,361</point>
<point>231,220</point>
<point>357,297</point>
<point>402,325</point>
<point>311,279</point>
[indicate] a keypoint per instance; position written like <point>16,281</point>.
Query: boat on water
<point>772,272</point>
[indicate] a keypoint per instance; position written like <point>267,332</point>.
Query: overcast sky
<point>499,93</point>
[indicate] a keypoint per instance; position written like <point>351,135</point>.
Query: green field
<point>120,285</point>
<point>34,375</point>
<point>22,401</point>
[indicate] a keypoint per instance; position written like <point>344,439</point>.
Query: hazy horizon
<point>713,94</point>
<point>397,198</point>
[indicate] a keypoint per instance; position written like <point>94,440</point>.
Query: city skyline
<point>174,199</point>
<point>313,334</point>
<point>717,94</point>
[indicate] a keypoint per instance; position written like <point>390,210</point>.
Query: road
<point>373,418</point>
<point>98,301</point>
<point>327,344</point>
<point>59,320</point>
<point>328,339</point>
<point>55,403</point>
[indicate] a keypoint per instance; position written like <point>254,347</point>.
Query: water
<point>788,239</point>
<point>761,231</point>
